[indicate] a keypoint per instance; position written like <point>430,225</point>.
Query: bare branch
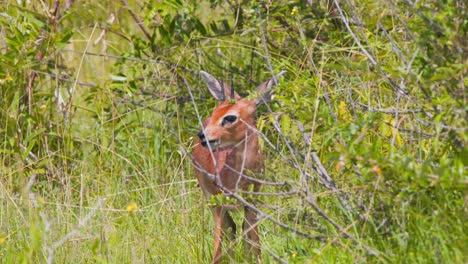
<point>376,64</point>
<point>159,61</point>
<point>82,223</point>
<point>389,111</point>
<point>138,21</point>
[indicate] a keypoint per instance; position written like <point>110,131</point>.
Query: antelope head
<point>233,118</point>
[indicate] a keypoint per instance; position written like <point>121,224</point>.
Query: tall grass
<point>97,125</point>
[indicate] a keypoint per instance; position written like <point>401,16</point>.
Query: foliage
<point>100,103</point>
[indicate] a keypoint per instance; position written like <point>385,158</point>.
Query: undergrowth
<point>98,113</point>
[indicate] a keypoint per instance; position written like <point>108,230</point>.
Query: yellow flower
<point>8,78</point>
<point>131,207</point>
<point>343,113</point>
<point>3,238</point>
<point>294,11</point>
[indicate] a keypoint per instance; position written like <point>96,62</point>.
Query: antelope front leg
<point>218,218</point>
<point>252,243</point>
<point>224,225</point>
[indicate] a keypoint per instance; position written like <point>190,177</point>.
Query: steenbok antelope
<point>228,150</point>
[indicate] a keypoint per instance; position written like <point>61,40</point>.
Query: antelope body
<point>227,151</point>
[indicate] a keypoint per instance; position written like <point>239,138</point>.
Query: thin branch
<point>389,111</point>
<point>318,73</point>
<point>138,21</point>
<point>375,64</point>
<point>396,123</point>
<point>394,45</point>
<point>322,173</point>
<point>54,76</point>
<point>356,40</point>
<point>342,230</point>
<point>244,202</point>
<point>426,20</point>
<point>269,194</point>
<point>159,61</point>
<point>267,216</point>
<point>82,223</point>
<point>265,48</point>
<point>442,125</point>
<point>408,130</point>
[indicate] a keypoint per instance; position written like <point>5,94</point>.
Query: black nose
<point>201,135</point>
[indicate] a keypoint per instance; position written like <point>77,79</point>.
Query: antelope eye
<point>229,120</point>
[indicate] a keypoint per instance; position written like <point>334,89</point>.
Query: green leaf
<point>285,122</point>
<point>64,40</point>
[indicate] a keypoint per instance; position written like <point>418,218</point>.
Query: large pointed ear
<point>218,89</point>
<point>264,92</point>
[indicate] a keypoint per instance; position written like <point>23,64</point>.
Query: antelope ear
<point>214,86</point>
<point>218,89</point>
<point>264,91</point>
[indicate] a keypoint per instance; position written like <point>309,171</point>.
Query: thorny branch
<point>388,111</point>
<point>375,63</point>
<point>325,179</point>
<point>305,195</point>
<point>138,21</point>
<point>262,214</point>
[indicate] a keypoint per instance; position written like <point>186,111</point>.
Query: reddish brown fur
<point>232,150</point>
<point>232,156</point>
<point>246,156</point>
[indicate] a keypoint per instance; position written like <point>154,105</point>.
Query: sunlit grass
<point>95,166</point>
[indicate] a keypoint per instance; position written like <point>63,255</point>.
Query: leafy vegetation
<point>101,102</point>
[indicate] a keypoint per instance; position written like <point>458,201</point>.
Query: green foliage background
<point>99,103</point>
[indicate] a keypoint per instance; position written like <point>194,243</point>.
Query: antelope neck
<point>249,142</point>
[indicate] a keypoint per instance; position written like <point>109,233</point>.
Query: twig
<point>138,21</point>
<point>322,174</point>
<point>394,45</point>
<point>396,123</point>
<point>54,76</point>
<point>375,64</point>
<point>159,61</point>
<point>263,182</point>
<point>82,223</point>
<point>408,130</point>
<point>80,65</point>
<point>269,194</point>
<point>267,216</point>
<point>342,230</point>
<point>435,27</point>
<point>265,48</point>
<point>276,257</point>
<point>322,84</point>
<point>389,111</point>
<point>244,202</point>
<point>442,125</point>
<point>356,40</point>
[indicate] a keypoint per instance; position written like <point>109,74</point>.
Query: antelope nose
<point>201,135</point>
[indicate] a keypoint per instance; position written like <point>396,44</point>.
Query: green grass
<point>95,165</point>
